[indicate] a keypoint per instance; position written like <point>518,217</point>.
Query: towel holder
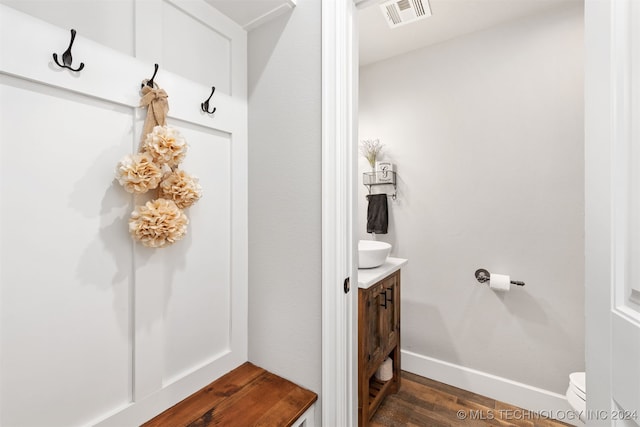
<point>370,179</point>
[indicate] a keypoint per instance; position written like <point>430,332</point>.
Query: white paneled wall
<point>199,65</point>
<point>94,328</point>
<point>66,258</point>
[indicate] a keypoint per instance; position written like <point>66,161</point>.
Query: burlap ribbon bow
<point>158,108</point>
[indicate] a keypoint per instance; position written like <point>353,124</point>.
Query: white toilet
<point>577,394</point>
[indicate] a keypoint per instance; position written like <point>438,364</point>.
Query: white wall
<point>284,196</point>
<point>486,132</point>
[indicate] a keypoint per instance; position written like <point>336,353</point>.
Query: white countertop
<point>370,276</point>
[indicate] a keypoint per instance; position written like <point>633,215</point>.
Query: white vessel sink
<point>372,253</point>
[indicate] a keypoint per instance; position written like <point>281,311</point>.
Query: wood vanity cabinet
<point>378,337</point>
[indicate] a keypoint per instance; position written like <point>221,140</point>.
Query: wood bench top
<point>246,396</point>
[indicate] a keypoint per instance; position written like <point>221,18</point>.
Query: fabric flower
<point>180,187</point>
<point>165,145</point>
<point>158,223</point>
<point>137,173</point>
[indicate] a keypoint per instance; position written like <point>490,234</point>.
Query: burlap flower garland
<point>159,222</point>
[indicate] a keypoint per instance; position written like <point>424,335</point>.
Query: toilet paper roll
<point>385,371</point>
<point>500,282</point>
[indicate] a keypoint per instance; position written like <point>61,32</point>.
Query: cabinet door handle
<point>384,302</point>
<point>390,299</point>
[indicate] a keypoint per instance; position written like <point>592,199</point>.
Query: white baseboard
<point>512,392</point>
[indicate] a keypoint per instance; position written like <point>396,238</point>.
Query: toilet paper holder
<point>484,276</point>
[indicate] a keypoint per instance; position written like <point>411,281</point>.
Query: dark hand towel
<point>377,214</point>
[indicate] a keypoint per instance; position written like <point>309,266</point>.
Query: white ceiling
<point>451,18</point>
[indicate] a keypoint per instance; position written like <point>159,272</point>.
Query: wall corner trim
<point>272,14</point>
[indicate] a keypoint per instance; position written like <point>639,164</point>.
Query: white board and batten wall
<point>96,329</point>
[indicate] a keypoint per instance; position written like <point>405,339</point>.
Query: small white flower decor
<point>370,148</point>
<point>159,222</point>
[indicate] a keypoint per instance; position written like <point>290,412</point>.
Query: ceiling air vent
<point>400,12</point>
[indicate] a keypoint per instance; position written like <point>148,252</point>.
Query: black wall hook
<point>67,59</point>
<point>150,82</point>
<point>205,104</point>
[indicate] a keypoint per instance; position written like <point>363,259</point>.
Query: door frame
<point>339,43</point>
<point>598,130</point>
<point>339,131</point>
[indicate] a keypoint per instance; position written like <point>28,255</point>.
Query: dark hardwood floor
<point>422,402</point>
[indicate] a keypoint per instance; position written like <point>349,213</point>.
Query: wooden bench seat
<point>246,396</point>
